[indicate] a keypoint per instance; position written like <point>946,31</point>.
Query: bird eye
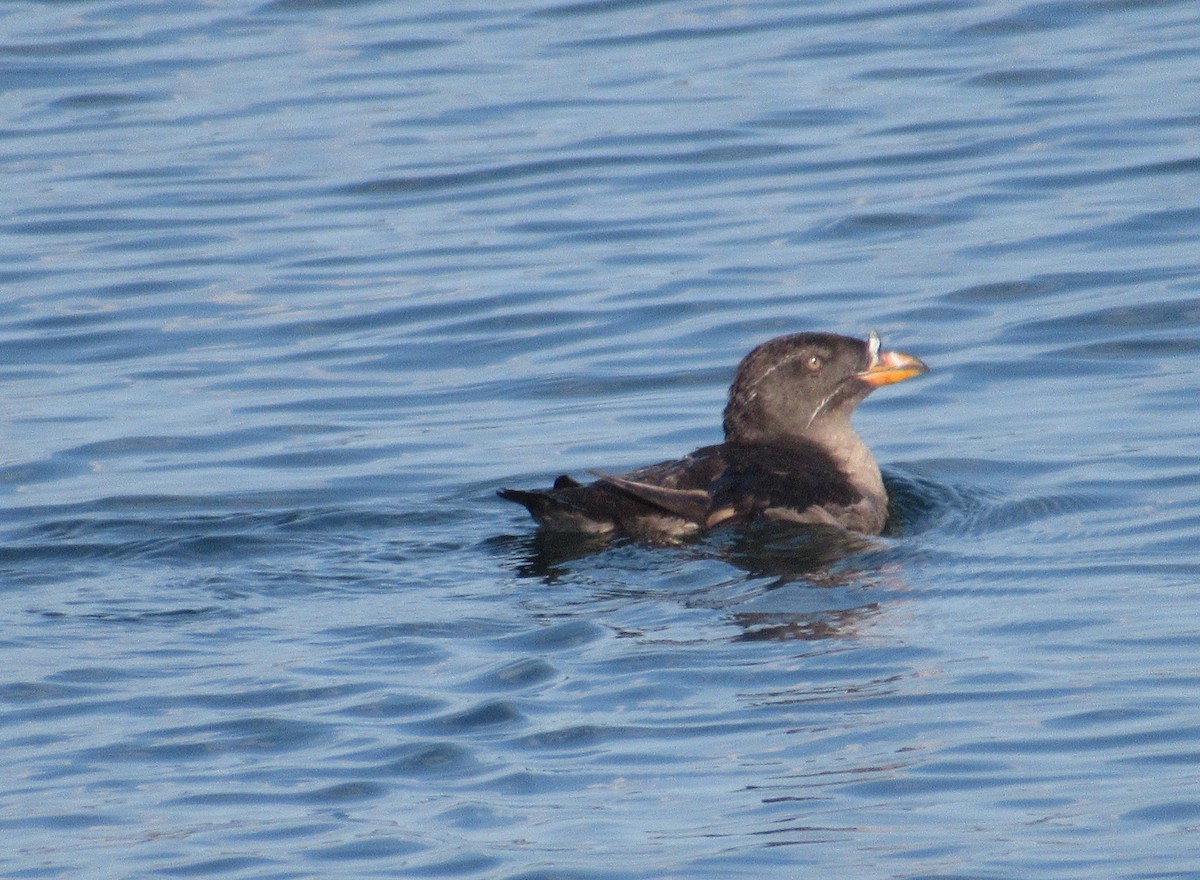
<point>813,363</point>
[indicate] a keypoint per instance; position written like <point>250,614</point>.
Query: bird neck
<point>852,457</point>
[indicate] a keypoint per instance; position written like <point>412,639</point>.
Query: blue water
<point>289,290</point>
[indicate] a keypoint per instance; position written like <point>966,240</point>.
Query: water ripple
<point>291,289</point>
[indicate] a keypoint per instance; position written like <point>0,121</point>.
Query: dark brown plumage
<point>790,453</point>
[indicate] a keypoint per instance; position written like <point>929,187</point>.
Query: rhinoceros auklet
<point>790,453</point>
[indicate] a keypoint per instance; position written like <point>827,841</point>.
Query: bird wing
<point>774,481</point>
<point>690,504</point>
<point>681,488</point>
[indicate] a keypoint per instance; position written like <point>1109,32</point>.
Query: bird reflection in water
<point>807,580</point>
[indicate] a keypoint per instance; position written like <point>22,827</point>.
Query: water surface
<point>291,289</point>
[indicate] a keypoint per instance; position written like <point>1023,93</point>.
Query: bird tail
<point>561,508</point>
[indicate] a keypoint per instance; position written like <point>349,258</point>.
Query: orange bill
<point>892,366</point>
